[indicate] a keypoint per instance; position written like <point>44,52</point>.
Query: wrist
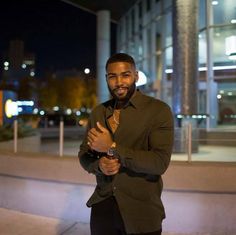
<point>111,150</point>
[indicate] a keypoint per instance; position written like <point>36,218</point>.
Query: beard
<point>130,91</point>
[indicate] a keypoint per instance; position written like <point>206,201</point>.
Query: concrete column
<point>153,52</point>
<point>145,51</point>
<point>103,53</point>
<point>164,86</point>
<point>211,90</point>
<point>185,57</point>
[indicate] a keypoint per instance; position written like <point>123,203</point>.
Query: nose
<point>119,80</point>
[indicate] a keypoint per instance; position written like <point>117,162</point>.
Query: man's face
<point>121,78</point>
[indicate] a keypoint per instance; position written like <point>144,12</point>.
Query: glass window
<point>202,14</point>
<point>226,101</point>
<point>202,49</point>
<point>157,8</point>
<point>224,11</point>
<point>140,10</point>
<point>127,27</point>
<point>167,3</point>
<point>168,28</point>
<point>140,46</point>
<point>149,42</point>
<point>148,5</point>
<point>224,41</point>
<point>132,22</point>
<point>169,57</point>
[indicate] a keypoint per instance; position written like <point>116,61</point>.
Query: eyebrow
<point>128,71</point>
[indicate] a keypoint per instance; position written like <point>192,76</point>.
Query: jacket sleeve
<point>157,158</point>
<point>89,159</point>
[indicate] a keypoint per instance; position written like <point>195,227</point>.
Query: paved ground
<point>18,223</point>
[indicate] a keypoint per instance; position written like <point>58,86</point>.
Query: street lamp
<point>87,71</point>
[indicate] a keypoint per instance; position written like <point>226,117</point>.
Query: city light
<point>25,103</point>
<point>41,112</point>
<point>194,116</point>
<point>6,63</point>
<point>23,66</point>
<point>11,108</point>
<point>204,68</point>
<point>55,108</point>
<point>35,111</point>
<point>20,109</point>
<point>78,113</point>
<point>214,3</point>
<point>68,111</point>
<point>87,71</point>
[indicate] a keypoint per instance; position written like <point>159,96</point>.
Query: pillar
<point>211,88</point>
<point>185,57</point>
<point>103,53</point>
<point>185,70</point>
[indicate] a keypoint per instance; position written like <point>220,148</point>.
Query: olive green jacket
<point>144,140</point>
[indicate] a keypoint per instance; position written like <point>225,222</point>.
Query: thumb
<point>101,128</point>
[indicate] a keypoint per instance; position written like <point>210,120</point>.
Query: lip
<point>121,91</point>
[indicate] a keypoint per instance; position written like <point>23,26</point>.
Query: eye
<point>111,77</point>
<point>126,75</point>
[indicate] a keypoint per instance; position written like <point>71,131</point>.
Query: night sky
<point>60,35</point>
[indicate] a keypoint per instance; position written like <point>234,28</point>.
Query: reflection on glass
<point>222,45</point>
<point>224,11</point>
<point>202,51</point>
<point>202,14</point>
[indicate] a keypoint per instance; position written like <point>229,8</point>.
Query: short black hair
<point>121,57</point>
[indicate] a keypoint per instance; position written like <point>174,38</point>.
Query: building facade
<point>17,64</point>
<point>146,32</point>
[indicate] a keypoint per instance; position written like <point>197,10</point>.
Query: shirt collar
<point>135,101</point>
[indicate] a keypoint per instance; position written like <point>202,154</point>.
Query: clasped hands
<point>99,139</point>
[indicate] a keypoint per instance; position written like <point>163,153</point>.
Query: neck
<point>119,104</point>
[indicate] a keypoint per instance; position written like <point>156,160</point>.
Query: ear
<point>136,76</point>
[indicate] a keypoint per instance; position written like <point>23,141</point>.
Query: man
<point>128,147</point>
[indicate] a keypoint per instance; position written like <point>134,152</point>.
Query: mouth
<point>121,91</point>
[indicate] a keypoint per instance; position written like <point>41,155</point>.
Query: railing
<point>191,144</point>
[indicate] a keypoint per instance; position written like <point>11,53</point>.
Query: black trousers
<point>106,219</point>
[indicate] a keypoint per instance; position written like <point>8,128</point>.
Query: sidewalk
<point>18,223</point>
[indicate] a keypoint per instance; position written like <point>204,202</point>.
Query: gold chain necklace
<point>114,116</point>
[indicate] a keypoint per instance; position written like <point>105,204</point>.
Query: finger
<point>93,132</point>
<point>113,171</point>
<point>90,137</point>
<point>90,140</point>
<point>112,167</point>
<point>101,128</point>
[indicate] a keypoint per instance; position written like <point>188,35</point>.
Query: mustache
<point>122,86</point>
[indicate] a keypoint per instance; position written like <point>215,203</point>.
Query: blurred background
<point>52,74</point>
